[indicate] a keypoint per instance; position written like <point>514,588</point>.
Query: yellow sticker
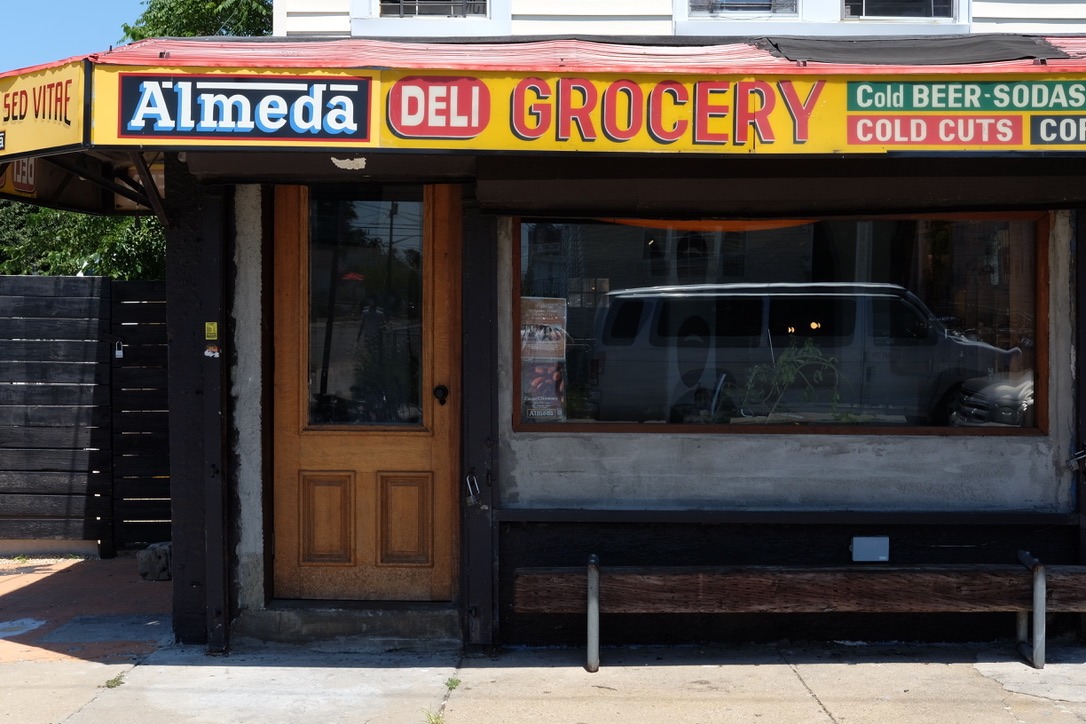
<point>211,331</point>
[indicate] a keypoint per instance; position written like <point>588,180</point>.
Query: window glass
<point>899,8</point>
<point>365,297</point>
<point>432,8</point>
<point>731,7</point>
<point>845,322</point>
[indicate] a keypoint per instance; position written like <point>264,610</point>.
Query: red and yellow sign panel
<point>170,107</point>
<point>42,111</point>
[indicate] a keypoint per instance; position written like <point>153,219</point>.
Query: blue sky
<point>38,31</point>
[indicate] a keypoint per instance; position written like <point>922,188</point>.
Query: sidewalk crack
<point>810,691</point>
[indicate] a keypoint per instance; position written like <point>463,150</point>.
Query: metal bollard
<point>1034,651</point>
<point>593,662</point>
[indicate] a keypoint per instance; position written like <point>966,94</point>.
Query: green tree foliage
<point>187,18</point>
<point>36,240</point>
<point>45,241</point>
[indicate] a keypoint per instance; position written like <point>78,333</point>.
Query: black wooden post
<point>1079,220</point>
<point>194,273</point>
<point>480,385</point>
<point>212,296</point>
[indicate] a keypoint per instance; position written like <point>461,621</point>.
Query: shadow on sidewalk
<point>88,609</point>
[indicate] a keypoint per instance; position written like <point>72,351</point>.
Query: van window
<point>895,321</point>
<point>623,321</point>
<point>826,321</point>
<point>722,321</point>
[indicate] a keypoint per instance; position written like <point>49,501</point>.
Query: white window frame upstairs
<point>817,18</point>
<point>366,21</point>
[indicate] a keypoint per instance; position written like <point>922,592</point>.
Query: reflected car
<point>820,351</point>
<point>1005,400</point>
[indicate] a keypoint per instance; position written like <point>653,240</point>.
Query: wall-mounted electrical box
<point>871,548</point>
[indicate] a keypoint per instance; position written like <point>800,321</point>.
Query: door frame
<point>442,209</point>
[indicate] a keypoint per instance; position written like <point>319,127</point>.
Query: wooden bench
<point>875,588</point>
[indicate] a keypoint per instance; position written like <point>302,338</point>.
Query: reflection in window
<point>893,323</point>
<point>365,297</point>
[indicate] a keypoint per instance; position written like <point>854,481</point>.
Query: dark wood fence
<point>83,416</point>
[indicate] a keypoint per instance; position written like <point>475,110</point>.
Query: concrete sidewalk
<point>131,673</point>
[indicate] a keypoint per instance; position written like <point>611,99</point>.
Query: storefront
<point>440,311</point>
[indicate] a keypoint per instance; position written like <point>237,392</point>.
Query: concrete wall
<point>794,471</point>
<point>245,392</point>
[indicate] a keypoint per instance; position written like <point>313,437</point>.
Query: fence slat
<point>31,286</point>
<point>55,416</point>
<point>55,506</point>
<point>87,328</point>
<point>58,351</point>
<point>55,395</point>
<point>141,334</point>
<point>141,421</point>
<point>53,372</point>
<point>54,483</point>
<point>141,488</point>
<point>55,437</point>
<point>53,307</point>
<point>56,529</point>
<point>55,460</point>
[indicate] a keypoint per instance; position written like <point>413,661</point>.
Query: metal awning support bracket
<point>150,189</point>
<point>97,180</point>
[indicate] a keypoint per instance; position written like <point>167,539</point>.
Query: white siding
<point>592,17</point>
<point>311,17</point>
<point>560,9</point>
<point>1023,16</point>
<point>669,17</point>
<point>592,26</point>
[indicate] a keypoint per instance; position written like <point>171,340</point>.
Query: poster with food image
<point>543,358</point>
<point>542,328</point>
<point>544,391</point>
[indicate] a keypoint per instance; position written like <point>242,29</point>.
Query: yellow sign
<point>19,178</point>
<point>42,110</point>
<point>599,112</point>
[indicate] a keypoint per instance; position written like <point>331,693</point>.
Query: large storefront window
<point>915,322</point>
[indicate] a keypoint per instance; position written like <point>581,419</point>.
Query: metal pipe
<point>1035,654</point>
<point>593,662</point>
<point>1040,588</point>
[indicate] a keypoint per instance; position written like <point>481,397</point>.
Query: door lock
<point>441,394</point>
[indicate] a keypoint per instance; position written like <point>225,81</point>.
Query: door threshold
<point>362,625</point>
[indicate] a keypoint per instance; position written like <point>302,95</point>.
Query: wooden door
<point>367,329</point>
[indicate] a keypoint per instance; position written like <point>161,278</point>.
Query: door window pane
<point>365,302</point>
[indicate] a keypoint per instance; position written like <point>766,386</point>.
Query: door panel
<point>366,325</point>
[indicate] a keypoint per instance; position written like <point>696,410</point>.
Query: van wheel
<point>940,414</point>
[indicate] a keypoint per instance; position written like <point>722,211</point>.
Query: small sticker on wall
<point>212,351</point>
<point>211,331</point>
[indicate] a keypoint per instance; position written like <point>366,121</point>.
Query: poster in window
<point>543,358</point>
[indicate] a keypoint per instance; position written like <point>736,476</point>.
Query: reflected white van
<point>818,352</point>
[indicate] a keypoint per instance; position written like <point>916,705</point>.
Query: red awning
<point>755,56</point>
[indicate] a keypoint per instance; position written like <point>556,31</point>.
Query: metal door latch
<point>1078,460</point>
<point>473,489</point>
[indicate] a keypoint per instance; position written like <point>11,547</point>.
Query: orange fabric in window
<point>711,224</point>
